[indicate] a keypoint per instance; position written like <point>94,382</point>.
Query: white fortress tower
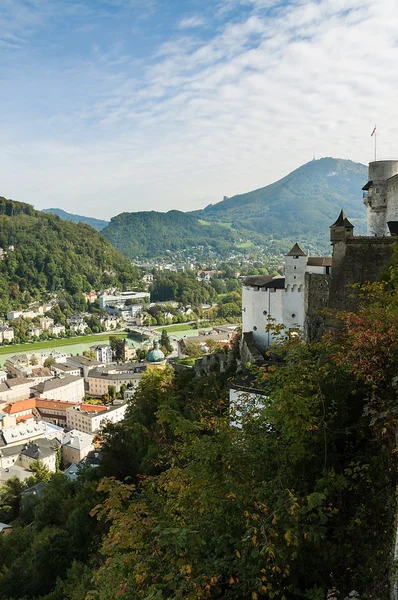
<point>381,196</point>
<point>279,298</point>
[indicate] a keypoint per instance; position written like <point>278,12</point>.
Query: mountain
<point>97,224</point>
<point>153,233</point>
<point>301,205</point>
<point>50,255</point>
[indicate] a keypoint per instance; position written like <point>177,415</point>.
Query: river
<point>134,342</point>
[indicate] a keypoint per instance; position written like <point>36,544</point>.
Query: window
<point>295,267</point>
<point>254,328</point>
<point>293,315</point>
<point>265,312</point>
<point>294,277</point>
<point>295,256</point>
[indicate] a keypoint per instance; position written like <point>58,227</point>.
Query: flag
<point>373,132</point>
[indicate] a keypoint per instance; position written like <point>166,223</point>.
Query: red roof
<point>93,407</point>
<point>24,417</point>
<point>20,406</point>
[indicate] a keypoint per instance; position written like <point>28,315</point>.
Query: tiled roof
<point>20,406</point>
<point>319,261</point>
<point>57,382</point>
<point>296,251</point>
<point>93,407</point>
<point>25,417</point>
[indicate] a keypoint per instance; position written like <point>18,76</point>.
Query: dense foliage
<point>297,502</point>
<point>50,255</point>
<point>159,234</point>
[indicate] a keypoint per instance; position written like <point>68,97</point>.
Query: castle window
<point>254,328</point>
<point>377,190</point>
<point>295,267</point>
<point>294,277</point>
<point>265,312</point>
<point>295,256</point>
<point>293,315</point>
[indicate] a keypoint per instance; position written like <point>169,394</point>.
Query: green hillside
<point>51,254</point>
<point>97,224</point>
<point>299,207</point>
<point>303,204</point>
<point>154,234</point>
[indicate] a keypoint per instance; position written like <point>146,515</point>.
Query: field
<point>177,327</point>
<point>33,346</point>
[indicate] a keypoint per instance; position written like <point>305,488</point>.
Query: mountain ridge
<point>97,224</point>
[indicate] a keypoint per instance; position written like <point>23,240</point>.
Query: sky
<point>110,106</point>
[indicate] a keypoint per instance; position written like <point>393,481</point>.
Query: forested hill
<point>154,233</point>
<point>304,203</point>
<point>98,224</point>
<point>51,254</point>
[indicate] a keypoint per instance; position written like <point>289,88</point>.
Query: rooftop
<point>342,221</point>
<point>56,383</point>
<point>296,251</point>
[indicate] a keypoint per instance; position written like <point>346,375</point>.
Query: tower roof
<point>342,221</point>
<point>155,355</point>
<point>296,251</point>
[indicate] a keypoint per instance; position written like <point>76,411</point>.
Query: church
<point>311,284</point>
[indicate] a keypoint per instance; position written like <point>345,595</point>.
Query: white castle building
<point>277,300</point>
<point>381,196</point>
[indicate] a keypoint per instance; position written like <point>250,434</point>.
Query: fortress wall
<point>364,260</point>
<point>316,296</point>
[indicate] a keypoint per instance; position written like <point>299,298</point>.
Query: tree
<point>117,345</point>
<point>49,362</point>
<point>33,360</point>
<point>41,471</point>
<point>192,349</point>
<point>112,393</point>
<point>90,354</point>
<point>165,342</point>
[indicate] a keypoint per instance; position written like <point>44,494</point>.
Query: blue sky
<point>121,105</point>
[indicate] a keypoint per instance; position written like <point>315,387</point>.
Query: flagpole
<point>375,146</point>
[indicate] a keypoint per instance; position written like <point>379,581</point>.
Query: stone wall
<point>364,260</point>
<point>316,297</point>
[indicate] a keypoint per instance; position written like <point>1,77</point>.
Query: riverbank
<point>37,346</point>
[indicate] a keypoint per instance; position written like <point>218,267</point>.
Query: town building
<point>67,388</point>
<point>46,322</point>
<point>6,333</point>
<point>56,329</point>
<point>64,369</point>
<point>45,450</point>
<point>99,380</point>
<point>89,418</point>
<point>75,446</point>
<point>84,363</point>
<point>34,331</point>
<point>15,389</point>
<point>103,352</point>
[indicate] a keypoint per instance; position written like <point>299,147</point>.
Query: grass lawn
<point>177,327</point>
<point>244,245</point>
<point>81,339</point>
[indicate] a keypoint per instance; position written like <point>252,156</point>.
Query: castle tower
<point>295,266</point>
<point>340,232</point>
<point>381,196</point>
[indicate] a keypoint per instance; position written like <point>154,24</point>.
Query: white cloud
<point>191,22</point>
<point>202,117</point>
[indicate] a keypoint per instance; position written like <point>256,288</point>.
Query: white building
<point>56,329</point>
<point>15,389</point>
<point>279,300</point>
<point>67,388</point>
<point>46,322</point>
<point>120,299</point>
<point>100,379</point>
<point>103,352</point>
<point>6,333</point>
<point>89,418</point>
<point>75,446</point>
<point>14,314</point>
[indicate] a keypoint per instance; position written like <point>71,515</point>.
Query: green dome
<point>155,355</point>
